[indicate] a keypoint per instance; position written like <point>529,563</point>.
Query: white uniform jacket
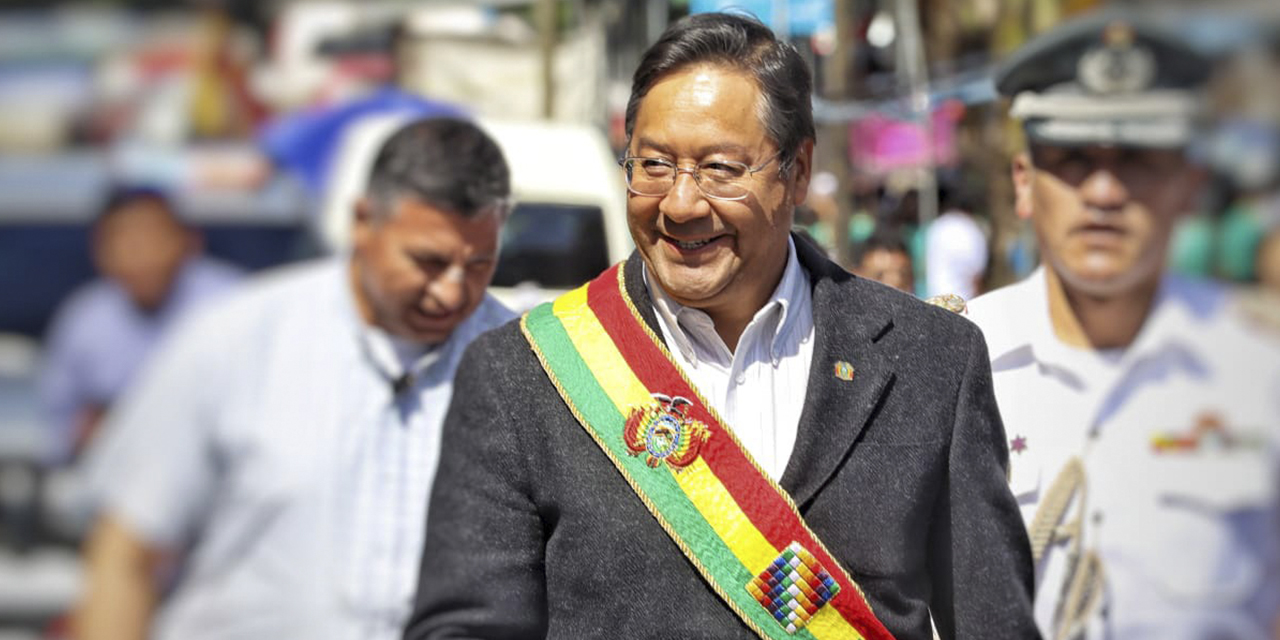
<point>1176,439</point>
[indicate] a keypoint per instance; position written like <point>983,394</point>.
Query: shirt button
<point>1097,518</point>
<point>742,377</point>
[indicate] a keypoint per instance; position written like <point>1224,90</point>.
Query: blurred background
<point>252,118</point>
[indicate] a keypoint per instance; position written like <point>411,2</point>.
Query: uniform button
<point>742,377</point>
<point>1097,518</point>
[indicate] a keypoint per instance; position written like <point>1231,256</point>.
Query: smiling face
<point>420,272</point>
<point>716,255</point>
<point>1103,216</point>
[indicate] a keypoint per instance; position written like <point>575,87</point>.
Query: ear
<point>1022,172</point>
<point>362,219</point>
<point>801,171</point>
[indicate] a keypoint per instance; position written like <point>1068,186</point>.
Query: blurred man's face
<point>141,246</point>
<point>1104,215</point>
<point>421,271</point>
<point>707,253</point>
<point>889,267</point>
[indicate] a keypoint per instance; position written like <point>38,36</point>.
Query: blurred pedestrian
<point>1142,415</point>
<point>152,271</point>
<point>1261,304</point>
<point>955,248</point>
<point>1268,262</point>
<point>282,447</point>
<point>654,452</point>
<point>883,257</point>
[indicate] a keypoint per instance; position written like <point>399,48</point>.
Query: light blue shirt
<point>99,338</point>
<point>269,433</point>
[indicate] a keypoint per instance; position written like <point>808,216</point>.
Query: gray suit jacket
<point>901,472</point>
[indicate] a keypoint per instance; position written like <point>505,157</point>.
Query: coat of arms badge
<point>663,432</point>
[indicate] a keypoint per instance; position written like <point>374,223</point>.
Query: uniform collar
<point>1177,317</point>
<point>787,306</point>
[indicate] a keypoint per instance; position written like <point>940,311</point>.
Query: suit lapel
<point>847,329</point>
<point>633,278</point>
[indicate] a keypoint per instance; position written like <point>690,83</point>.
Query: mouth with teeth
<point>691,245</point>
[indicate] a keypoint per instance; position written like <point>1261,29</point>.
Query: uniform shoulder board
<point>949,301</point>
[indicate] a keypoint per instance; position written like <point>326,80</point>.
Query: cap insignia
<point>1118,64</point>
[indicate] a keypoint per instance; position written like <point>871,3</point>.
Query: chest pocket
<point>1213,527</point>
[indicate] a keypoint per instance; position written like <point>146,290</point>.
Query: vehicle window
<point>555,246</point>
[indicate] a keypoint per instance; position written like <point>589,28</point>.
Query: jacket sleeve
<point>980,558</point>
<point>482,565</point>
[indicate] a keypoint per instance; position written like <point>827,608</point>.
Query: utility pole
<point>546,18</point>
<point>833,153</point>
<point>911,66</point>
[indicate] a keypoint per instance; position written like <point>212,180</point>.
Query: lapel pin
<point>844,370</point>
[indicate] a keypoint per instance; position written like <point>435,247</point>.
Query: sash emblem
<point>663,433</point>
<point>793,587</point>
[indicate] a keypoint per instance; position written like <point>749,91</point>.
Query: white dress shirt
<point>758,390</point>
<point>1186,537</point>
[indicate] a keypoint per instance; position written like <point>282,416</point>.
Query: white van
<point>570,219</point>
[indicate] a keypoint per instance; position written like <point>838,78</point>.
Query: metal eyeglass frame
<point>695,172</point>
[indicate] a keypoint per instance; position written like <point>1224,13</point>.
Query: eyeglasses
<point>718,179</point>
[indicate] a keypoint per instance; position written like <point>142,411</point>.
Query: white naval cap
<point>1113,77</point>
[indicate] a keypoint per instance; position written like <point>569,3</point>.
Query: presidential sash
<point>739,528</point>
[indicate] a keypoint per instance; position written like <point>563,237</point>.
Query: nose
<point>1103,189</point>
<point>685,201</point>
<point>447,292</point>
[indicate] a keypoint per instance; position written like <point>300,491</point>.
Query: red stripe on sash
<point>759,500</point>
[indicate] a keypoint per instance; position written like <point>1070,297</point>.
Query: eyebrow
<point>424,253</point>
<point>705,150</point>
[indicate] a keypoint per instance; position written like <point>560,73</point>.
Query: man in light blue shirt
<point>282,446</point>
<point>152,273</point>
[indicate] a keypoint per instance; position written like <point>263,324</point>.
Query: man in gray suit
<point>590,485</point>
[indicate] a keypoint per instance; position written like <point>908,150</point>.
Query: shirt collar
<point>785,308</point>
<point>394,357</point>
<point>1179,319</point>
<point>1174,321</point>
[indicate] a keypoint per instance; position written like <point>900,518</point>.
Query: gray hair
<point>445,162</point>
<point>745,44</point>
